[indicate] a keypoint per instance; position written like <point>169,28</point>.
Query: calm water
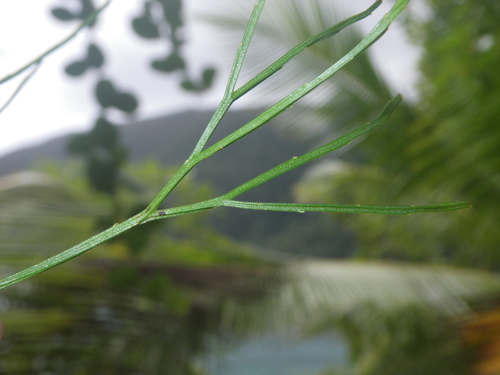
<point>277,356</point>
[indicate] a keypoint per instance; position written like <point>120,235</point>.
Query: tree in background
<point>147,303</point>
<point>376,358</point>
<point>101,147</point>
<point>345,101</point>
<point>446,144</point>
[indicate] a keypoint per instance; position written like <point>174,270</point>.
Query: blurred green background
<point>235,292</point>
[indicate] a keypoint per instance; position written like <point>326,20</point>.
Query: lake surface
<point>273,355</point>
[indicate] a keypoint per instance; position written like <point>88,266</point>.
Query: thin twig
<point>18,89</point>
<point>38,60</point>
<point>227,99</point>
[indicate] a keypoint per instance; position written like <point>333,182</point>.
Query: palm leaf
<point>348,99</point>
<point>38,215</point>
<point>317,291</point>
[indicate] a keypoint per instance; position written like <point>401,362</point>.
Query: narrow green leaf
<point>341,208</point>
<point>198,156</point>
<point>233,77</point>
<point>151,212</point>
<point>316,153</point>
<point>278,64</point>
<point>285,103</point>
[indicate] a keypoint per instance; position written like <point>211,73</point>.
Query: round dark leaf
<point>63,14</point>
<point>188,85</point>
<point>76,69</point>
<point>105,93</point>
<point>208,76</point>
<point>95,57</point>
<point>143,26</point>
<point>171,63</point>
<point>126,103</point>
<point>87,9</point>
<point>172,12</point>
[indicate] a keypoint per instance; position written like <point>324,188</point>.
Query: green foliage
<point>404,341</point>
<point>93,59</point>
<point>86,9</point>
<point>449,148</point>
<point>411,238</point>
<point>129,261</point>
<point>397,318</point>
<point>343,102</point>
<point>200,153</point>
<point>122,308</point>
<point>184,241</point>
<point>104,158</point>
<point>457,126</point>
<point>167,25</point>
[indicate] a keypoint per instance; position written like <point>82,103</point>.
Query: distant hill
<point>170,139</point>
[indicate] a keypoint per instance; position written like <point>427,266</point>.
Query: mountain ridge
<point>170,139</point>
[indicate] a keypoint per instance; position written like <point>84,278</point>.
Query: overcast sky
<point>52,104</point>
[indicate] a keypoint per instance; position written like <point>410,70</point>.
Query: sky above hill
<point>52,104</point>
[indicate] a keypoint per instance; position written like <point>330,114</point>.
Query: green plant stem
<point>276,66</point>
<point>152,213</point>
<point>307,207</point>
<point>20,86</point>
<point>345,208</point>
<point>228,99</point>
<point>316,153</point>
<point>379,29</point>
<point>71,252</point>
<point>219,113</point>
<point>231,95</point>
<point>38,60</point>
<point>227,199</point>
<point>306,88</point>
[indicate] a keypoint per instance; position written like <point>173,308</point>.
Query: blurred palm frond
<point>350,98</point>
<point>38,213</point>
<point>314,292</point>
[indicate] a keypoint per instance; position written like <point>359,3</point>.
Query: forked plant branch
<point>200,153</point>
